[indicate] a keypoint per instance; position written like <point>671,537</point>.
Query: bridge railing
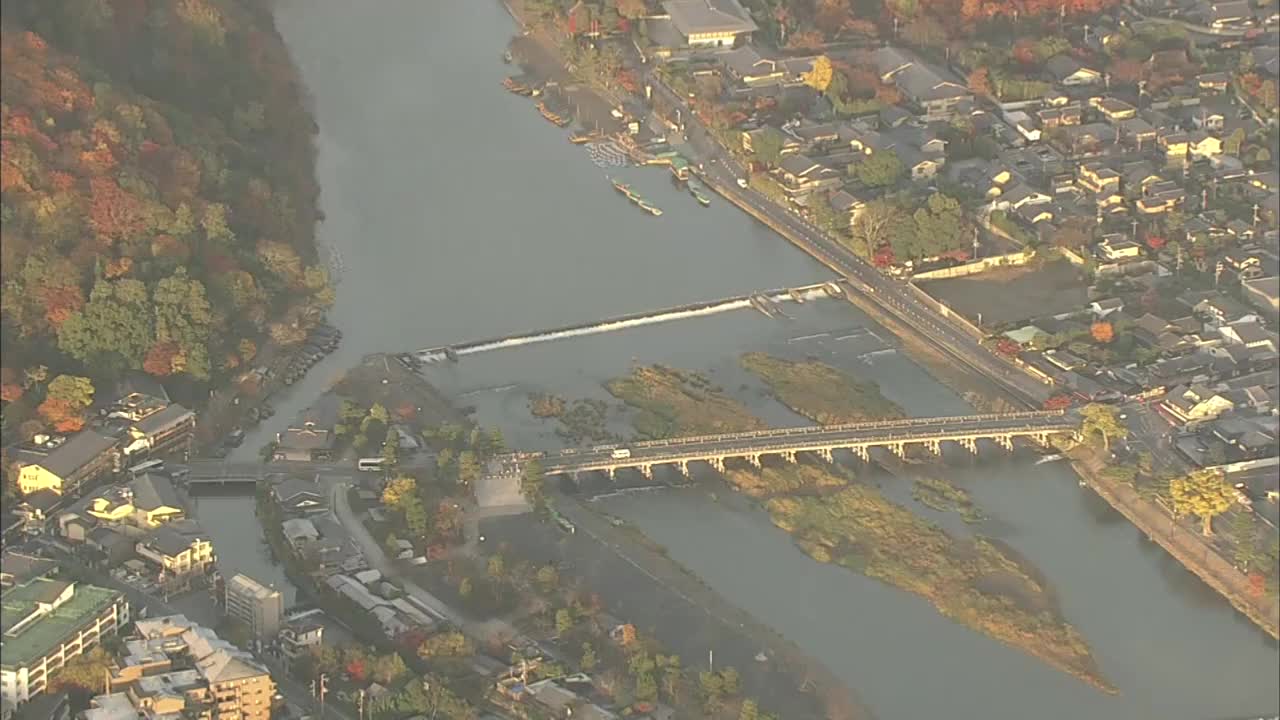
<point>826,429</point>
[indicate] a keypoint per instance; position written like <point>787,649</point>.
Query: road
<point>892,296</point>
<point>810,438</point>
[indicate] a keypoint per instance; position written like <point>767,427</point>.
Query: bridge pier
<point>863,452</point>
<point>717,464</point>
<point>789,456</point>
<point>899,449</point>
<point>684,467</point>
<point>1005,441</point>
<point>1042,439</point>
<point>613,473</point>
<point>827,455</point>
<point>969,444</point>
<point>647,471</point>
<point>754,459</point>
<point>935,446</point>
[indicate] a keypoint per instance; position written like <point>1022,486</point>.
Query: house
<point>1098,178</point>
<point>749,68</point>
<point>307,443</point>
<point>1103,308</point>
<point>299,532</point>
<point>1213,81</point>
<point>1250,334</point>
<point>1113,109</point>
<point>789,144</point>
<point>1201,144</point>
<point>801,176</point>
<point>1222,310</point>
<point>1117,249</point>
<point>17,568</point>
<point>1055,117</point>
<point>299,635</point>
<point>1067,71</point>
<point>709,23</point>
<point>177,553</point>
<point>65,465</point>
<point>154,500</point>
<point>163,429</point>
<point>1194,404</point>
<point>1263,293</point>
<point>299,497</point>
<point>846,205</point>
<point>1137,131</point>
<point>929,90</point>
<point>1219,15</point>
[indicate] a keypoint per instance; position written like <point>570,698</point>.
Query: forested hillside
<point>158,197</point>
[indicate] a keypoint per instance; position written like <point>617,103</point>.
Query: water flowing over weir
<point>762,301</point>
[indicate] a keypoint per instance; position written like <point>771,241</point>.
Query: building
<point>1263,293</point>
<point>1067,71</point>
<point>299,636</point>
<point>931,92</point>
<point>48,622</point>
<point>257,606</point>
<point>299,497</point>
<point>709,23</point>
<point>176,553</point>
<point>307,443</point>
<point>176,668</point>
<point>65,465</point>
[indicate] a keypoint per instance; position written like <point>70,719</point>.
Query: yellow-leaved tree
<point>819,78</point>
<point>1203,493</point>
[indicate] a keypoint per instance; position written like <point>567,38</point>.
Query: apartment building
<point>48,622</point>
<point>256,605</point>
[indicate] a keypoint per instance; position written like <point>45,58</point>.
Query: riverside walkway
<point>860,438</point>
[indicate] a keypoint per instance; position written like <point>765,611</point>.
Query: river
<point>454,212</point>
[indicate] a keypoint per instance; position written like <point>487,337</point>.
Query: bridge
<point>860,438</point>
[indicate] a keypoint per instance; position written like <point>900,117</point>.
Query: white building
<point>47,623</point>
<point>256,605</point>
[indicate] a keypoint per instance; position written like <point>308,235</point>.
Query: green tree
<point>712,686</point>
<point>1233,142</point>
<point>388,668</point>
<point>646,687</point>
<point>749,710</point>
<point>669,666</point>
<point>325,659</point>
<point>880,169</point>
<point>766,146</point>
<point>1204,493</point>
<point>564,621</point>
<point>531,484</point>
<point>496,567</point>
<point>113,330</point>
<point>730,682</point>
<point>547,578</point>
<point>86,672</point>
<point>589,660</point>
<point>1103,421</point>
<point>183,316</point>
<point>469,468</point>
<point>74,390</point>
<point>452,644</point>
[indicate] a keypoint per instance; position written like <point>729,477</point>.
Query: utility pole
<point>360,705</point>
<point>319,688</point>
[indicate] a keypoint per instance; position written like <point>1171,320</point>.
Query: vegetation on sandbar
<point>941,495</point>
<point>674,402</point>
<point>822,393</point>
<point>771,481</point>
<point>585,421</point>
<point>546,405</point>
<point>973,582</point>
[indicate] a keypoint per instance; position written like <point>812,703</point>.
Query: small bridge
<point>860,438</point>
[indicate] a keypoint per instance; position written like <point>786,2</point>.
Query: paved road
<point>892,296</point>
<point>802,439</point>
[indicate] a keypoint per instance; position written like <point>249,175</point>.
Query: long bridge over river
<point>895,435</point>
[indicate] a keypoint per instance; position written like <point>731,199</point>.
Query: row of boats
<point>634,198</point>
<point>521,88</point>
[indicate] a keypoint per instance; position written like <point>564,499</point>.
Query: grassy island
<point>974,582</point>
<point>771,481</point>
<point>545,405</point>
<point>820,392</point>
<point>676,402</point>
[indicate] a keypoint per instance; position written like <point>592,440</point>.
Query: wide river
<point>454,212</point>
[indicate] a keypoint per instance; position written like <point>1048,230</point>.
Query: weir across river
<point>765,301</point>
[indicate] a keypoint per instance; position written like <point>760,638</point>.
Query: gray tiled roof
<point>708,16</point>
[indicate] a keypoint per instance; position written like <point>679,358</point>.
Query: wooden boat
<point>703,200</point>
<point>506,57</point>
<point>621,187</point>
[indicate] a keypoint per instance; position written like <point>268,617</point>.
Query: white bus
<point>147,466</point>
<point>370,464</point>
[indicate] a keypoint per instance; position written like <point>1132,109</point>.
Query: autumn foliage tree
<point>1102,332</point>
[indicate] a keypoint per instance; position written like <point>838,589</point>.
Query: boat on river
<point>654,211</point>
<point>506,57</point>
<point>582,137</point>
<point>703,200</point>
<point>621,187</point>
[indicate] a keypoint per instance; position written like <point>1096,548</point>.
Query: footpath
<point>1182,543</point>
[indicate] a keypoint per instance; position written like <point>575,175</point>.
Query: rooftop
<point>708,16</point>
<point>75,453</point>
<point>40,636</point>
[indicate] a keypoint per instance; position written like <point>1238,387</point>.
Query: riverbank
<point>1184,545</point>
